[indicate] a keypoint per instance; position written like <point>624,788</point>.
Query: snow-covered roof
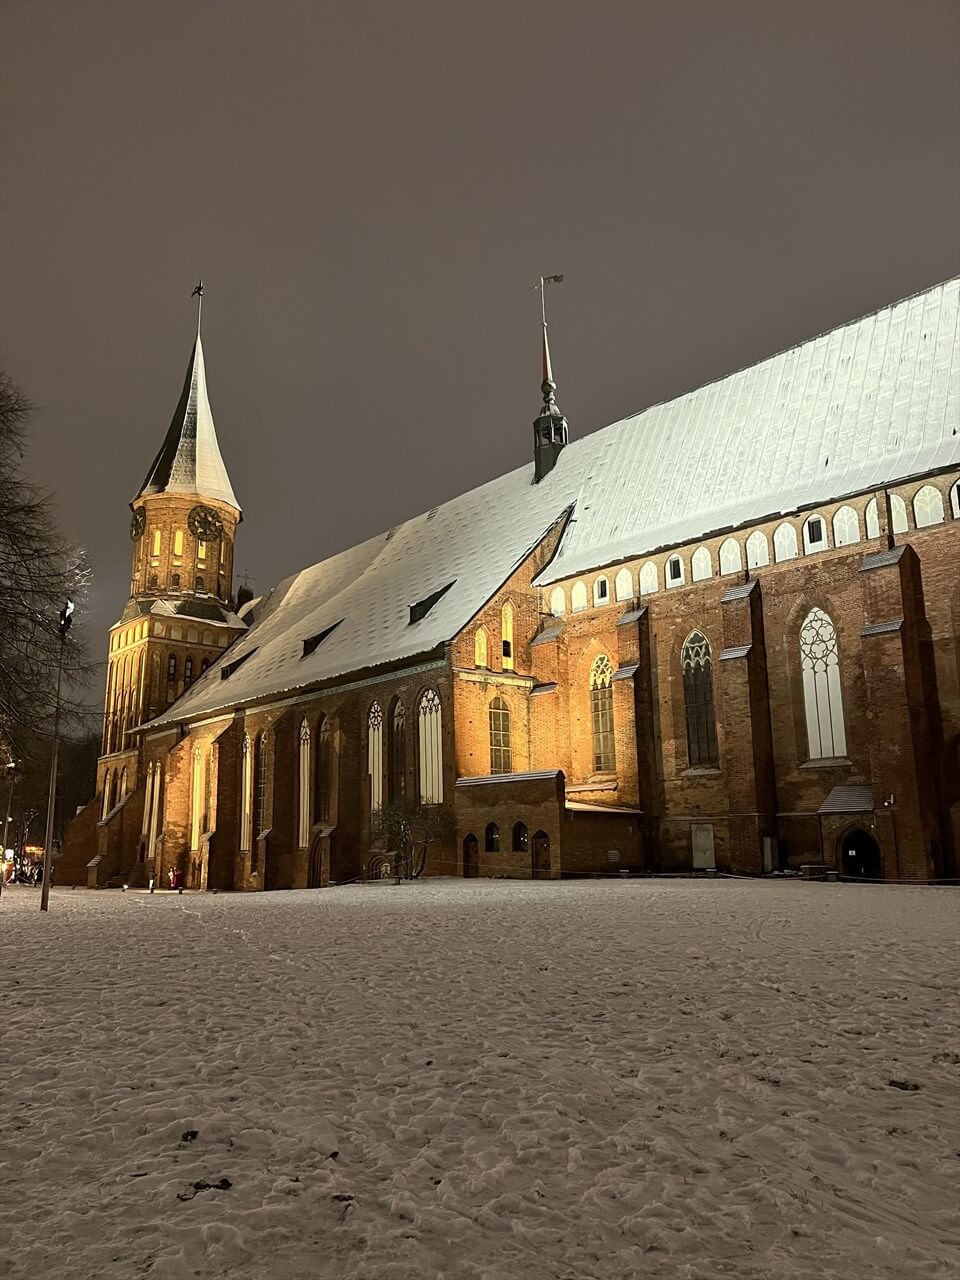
<point>189,460</point>
<point>870,403</point>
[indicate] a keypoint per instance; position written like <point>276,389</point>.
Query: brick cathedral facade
<point>653,662</point>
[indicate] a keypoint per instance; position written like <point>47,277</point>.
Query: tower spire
<point>550,427</point>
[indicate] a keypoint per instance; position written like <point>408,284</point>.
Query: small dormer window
<point>420,610</point>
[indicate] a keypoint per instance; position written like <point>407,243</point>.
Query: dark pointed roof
<point>189,460</point>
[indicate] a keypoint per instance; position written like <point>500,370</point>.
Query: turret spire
<point>550,427</point>
<point>189,460</point>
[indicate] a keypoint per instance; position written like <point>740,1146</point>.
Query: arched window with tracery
<point>785,545</point>
<point>375,757</point>
<point>480,648</point>
<point>623,585</point>
<point>430,743</point>
<point>398,752</point>
<point>697,668</point>
<point>601,715</point>
<point>822,694</point>
<point>731,560</point>
<point>260,788</point>
<point>700,565</point>
<point>506,634</point>
<point>846,527</point>
<point>521,838</point>
<point>758,550</point>
<point>928,507</point>
<point>649,579</point>
<point>491,842</point>
<point>323,771</point>
<point>303,789</point>
<point>501,756</point>
<point>578,597</point>
<point>558,601</point>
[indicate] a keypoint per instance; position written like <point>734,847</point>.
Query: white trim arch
<point>673,571</point>
<point>815,534</point>
<point>731,557</point>
<point>624,585</point>
<point>649,579</point>
<point>701,564</point>
<point>785,545</point>
<point>758,550</point>
<point>846,527</point>
<point>578,597</point>
<point>928,507</point>
<point>558,602</point>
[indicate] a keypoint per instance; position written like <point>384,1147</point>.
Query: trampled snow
<point>482,1080</point>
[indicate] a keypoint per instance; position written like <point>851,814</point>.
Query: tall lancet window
<point>430,742</point>
<point>501,755</point>
<point>697,671</point>
<point>398,752</point>
<point>196,798</point>
<point>259,798</point>
<point>822,695</point>
<point>601,715</point>
<point>506,629</point>
<point>324,771</point>
<point>480,648</point>
<point>303,793</point>
<point>246,795</point>
<point>375,757</point>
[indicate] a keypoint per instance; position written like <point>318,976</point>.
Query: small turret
<point>550,426</point>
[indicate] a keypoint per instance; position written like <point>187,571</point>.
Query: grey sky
<point>369,192</point>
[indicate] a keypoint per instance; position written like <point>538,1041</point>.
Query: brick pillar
<point>635,651</point>
<point>743,708</point>
<point>904,760</point>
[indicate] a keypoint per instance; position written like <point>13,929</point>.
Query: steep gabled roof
<point>189,460</point>
<point>871,403</point>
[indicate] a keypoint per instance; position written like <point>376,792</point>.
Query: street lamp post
<point>64,627</point>
<point>12,767</point>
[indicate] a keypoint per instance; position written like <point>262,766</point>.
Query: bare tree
<point>39,570</point>
<point>408,830</point>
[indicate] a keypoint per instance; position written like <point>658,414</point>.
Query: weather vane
<point>544,280</point>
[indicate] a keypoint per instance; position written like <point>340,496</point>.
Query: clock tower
<point>179,616</point>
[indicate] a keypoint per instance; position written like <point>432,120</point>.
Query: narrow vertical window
<point>701,566</point>
<point>171,668</point>
<point>187,673</point>
<point>871,518</point>
<point>430,742</point>
<point>601,715</point>
<point>601,592</point>
<point>201,550</point>
<point>156,543</point>
<point>846,527</point>
<point>674,572</point>
<point>822,695</point>
<point>196,798</point>
<point>324,771</point>
<point>147,802</point>
<point>375,757</point>
<point>155,811</point>
<point>178,542</point>
<point>398,752</point>
<point>649,579</point>
<point>303,791</point>
<point>697,671</point>
<point>521,838</point>
<point>480,648</point>
<point>501,755</point>
<point>491,838</point>
<point>506,632</point>
<point>260,790</point>
<point>246,796</point>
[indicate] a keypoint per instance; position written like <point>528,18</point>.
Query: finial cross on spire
<point>198,294</point>
<point>548,383</point>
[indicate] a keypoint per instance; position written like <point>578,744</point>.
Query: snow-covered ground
<point>483,1080</point>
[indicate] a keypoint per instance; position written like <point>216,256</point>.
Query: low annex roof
<point>873,402</point>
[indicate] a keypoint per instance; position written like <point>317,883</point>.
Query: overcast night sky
<point>369,192</point>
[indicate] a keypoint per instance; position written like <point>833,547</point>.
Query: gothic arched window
<point>785,542</point>
<point>491,841</point>
<point>187,672</point>
<point>846,527</point>
<point>375,757</point>
<point>696,665</point>
<point>601,715</point>
<point>927,507</point>
<point>955,500</point>
<point>558,601</point>
<point>822,695</point>
<point>624,585</point>
<point>521,838</point>
<point>323,772</point>
<point>303,790</point>
<point>430,742</point>
<point>700,565</point>
<point>260,788</point>
<point>578,597</point>
<point>501,756</point>
<point>480,648</point>
<point>731,560</point>
<point>649,579</point>
<point>758,550</point>
<point>196,798</point>
<point>398,751</point>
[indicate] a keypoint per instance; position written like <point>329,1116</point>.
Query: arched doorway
<point>540,855</point>
<point>860,856</point>
<point>471,857</point>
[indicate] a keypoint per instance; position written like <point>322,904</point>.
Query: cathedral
<point>720,635</point>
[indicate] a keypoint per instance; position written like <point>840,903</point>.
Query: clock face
<point>203,522</point>
<point>138,524</point>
